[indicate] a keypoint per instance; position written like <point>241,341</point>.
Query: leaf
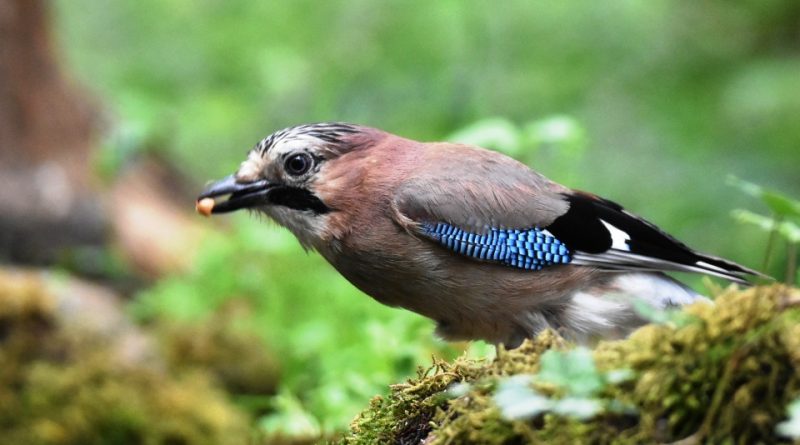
<point>561,131</point>
<point>619,375</point>
<point>289,419</point>
<point>517,400</point>
<point>497,133</point>
<point>791,427</point>
<point>790,231</point>
<point>573,370</point>
<point>777,202</point>
<point>787,229</point>
<point>579,407</point>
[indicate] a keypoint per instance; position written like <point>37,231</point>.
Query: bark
<point>46,128</point>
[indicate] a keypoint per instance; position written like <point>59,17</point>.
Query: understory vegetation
<point>225,331</point>
<point>68,380</point>
<point>721,373</point>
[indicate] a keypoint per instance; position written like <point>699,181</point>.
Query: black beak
<point>242,195</point>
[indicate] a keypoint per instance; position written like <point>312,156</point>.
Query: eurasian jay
<point>471,238</point>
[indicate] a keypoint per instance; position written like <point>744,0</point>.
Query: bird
<point>471,238</point>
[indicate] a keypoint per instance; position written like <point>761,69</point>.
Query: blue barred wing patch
<point>530,249</point>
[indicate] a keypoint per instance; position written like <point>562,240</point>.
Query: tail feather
<point>604,235</point>
<point>625,261</point>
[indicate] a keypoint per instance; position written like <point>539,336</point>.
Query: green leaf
<point>790,231</point>
<point>619,375</point>
<point>561,131</point>
<point>497,133</point>
<point>579,407</point>
<point>780,204</point>
<point>289,419</point>
<point>777,202</point>
<point>517,400</point>
<point>791,427</point>
<point>787,229</point>
<point>573,370</point>
<point>764,223</point>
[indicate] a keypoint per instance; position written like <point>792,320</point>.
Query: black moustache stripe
<point>298,199</point>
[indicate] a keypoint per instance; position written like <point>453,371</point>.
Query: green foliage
<point>576,380</point>
<point>778,203</point>
<point>674,95</point>
<point>557,140</point>
<point>208,79</point>
<point>291,422</point>
<point>572,370</point>
<point>338,348</point>
<point>786,229</point>
<point>726,377</point>
<point>784,221</point>
<point>497,134</point>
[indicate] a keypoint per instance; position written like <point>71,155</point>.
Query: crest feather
<point>328,132</point>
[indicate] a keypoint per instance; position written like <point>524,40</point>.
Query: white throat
<point>308,228</point>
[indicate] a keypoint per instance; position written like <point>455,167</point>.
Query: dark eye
<point>298,164</point>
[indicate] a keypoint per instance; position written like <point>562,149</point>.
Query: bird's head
<point>281,175</point>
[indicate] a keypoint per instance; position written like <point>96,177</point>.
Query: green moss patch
<point>721,373</point>
<point>60,384</point>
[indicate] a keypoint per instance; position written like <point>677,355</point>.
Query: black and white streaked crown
<point>330,132</point>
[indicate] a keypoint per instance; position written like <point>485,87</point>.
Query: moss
<point>236,356</point>
<point>63,385</point>
<point>723,375</point>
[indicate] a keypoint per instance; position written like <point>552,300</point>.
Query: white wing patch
<point>619,239</point>
<point>709,266</point>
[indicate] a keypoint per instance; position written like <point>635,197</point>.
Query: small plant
<point>571,373</point>
<point>783,221</point>
<point>330,366</point>
<point>726,375</point>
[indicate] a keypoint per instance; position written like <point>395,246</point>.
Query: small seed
<point>204,206</point>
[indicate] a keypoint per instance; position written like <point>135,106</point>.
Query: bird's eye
<point>298,164</point>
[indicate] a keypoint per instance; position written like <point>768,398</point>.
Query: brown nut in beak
<point>205,206</point>
<point>240,195</point>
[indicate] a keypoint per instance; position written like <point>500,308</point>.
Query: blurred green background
<point>652,104</point>
<point>672,96</point>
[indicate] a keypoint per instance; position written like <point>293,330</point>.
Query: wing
<point>489,207</point>
<point>603,234</point>
<point>476,190</point>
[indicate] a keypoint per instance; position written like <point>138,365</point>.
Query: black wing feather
<point>583,230</point>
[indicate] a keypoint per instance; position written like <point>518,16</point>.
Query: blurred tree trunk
<point>46,129</point>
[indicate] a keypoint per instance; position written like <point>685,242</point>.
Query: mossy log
<point>724,374</point>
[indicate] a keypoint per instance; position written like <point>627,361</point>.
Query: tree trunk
<point>46,128</point>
